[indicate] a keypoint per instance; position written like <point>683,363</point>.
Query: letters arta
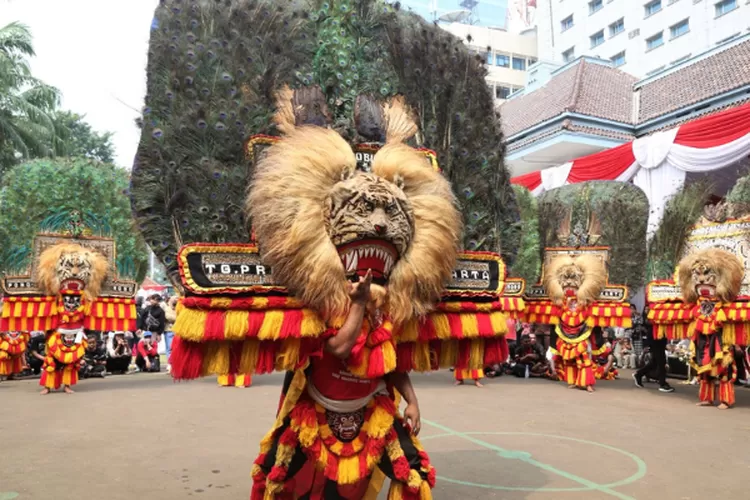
<point>466,274</point>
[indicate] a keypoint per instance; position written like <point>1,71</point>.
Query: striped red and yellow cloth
<point>45,313</point>
<point>677,320</point>
<point>27,314</point>
<point>599,314</point>
<point>277,333</point>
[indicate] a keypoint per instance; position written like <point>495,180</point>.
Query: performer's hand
<point>360,291</point>
<point>411,416</point>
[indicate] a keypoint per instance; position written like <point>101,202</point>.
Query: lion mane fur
<point>728,268</point>
<point>47,268</point>
<point>287,206</point>
<point>594,278</point>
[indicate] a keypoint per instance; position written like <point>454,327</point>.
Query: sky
<point>487,12</point>
<point>95,52</point>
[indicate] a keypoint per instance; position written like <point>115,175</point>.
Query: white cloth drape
<point>660,168</point>
<point>555,177</point>
<point>659,184</point>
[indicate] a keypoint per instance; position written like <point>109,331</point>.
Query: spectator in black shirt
<point>37,350</point>
<point>530,355</point>
<point>118,353</point>
<point>94,359</point>
<point>152,319</point>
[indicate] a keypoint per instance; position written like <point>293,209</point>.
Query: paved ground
<point>143,436</point>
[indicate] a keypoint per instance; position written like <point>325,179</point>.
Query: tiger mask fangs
<point>318,221</point>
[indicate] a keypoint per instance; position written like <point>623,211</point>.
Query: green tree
<point>33,190</point>
<point>82,140</point>
<point>26,103</point>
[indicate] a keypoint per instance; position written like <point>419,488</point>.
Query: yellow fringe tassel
<point>448,353</point>
<point>410,332</point>
<point>216,359</point>
<point>469,325</point>
<point>191,324</point>
<point>312,324</point>
<point>249,357</point>
<point>476,354</point>
<point>288,355</point>
<point>271,326</point>
<point>348,472</point>
<point>235,325</point>
<point>442,327</point>
<point>499,321</point>
<point>421,357</point>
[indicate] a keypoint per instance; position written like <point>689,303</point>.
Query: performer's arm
<point>402,383</point>
<point>341,344</point>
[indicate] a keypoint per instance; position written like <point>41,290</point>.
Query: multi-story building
<point>508,55</point>
<point>640,37</point>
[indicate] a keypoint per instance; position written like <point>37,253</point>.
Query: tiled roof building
<point>588,106</point>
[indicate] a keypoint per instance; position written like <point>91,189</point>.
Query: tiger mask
<point>319,222</point>
<point>712,273</point>
<point>68,267</point>
<point>575,281</point>
<point>371,223</point>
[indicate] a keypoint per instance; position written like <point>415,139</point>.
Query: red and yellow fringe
<point>71,356</point>
<point>599,314</point>
<point>677,321</point>
<point>46,313</point>
<point>12,352</point>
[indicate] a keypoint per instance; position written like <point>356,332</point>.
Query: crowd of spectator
<point>119,352</point>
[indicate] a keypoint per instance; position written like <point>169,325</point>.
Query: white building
<point>641,37</point>
<point>508,55</point>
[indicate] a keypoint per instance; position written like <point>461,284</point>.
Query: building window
<point>725,6</point>
<point>566,23</point>
<point>680,28</point>
<point>655,41</point>
<point>595,6</point>
<point>617,27</point>
<point>519,63</point>
<point>532,60</point>
<point>489,58</point>
<point>502,92</point>
<point>618,59</point>
<point>502,60</point>
<point>569,54</point>
<point>597,38</point>
<point>652,7</point>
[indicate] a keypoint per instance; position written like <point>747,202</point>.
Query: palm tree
<point>26,103</point>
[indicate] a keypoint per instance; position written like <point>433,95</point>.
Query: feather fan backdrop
<point>213,69</point>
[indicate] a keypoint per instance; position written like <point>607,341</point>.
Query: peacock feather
<point>621,211</point>
<point>213,70</point>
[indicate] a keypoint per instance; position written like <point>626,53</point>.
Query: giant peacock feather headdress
<point>216,67</point>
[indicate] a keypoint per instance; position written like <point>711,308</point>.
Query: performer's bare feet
<point>572,386</point>
<point>459,382</point>
<point>723,406</point>
<point>478,383</point>
<point>44,392</point>
<point>704,403</point>
<point>589,388</point>
<point>68,390</point>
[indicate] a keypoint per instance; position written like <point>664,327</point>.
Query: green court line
<point>526,457</point>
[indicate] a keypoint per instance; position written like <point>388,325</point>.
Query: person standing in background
<point>152,319</point>
<point>170,316</point>
<point>658,360</point>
